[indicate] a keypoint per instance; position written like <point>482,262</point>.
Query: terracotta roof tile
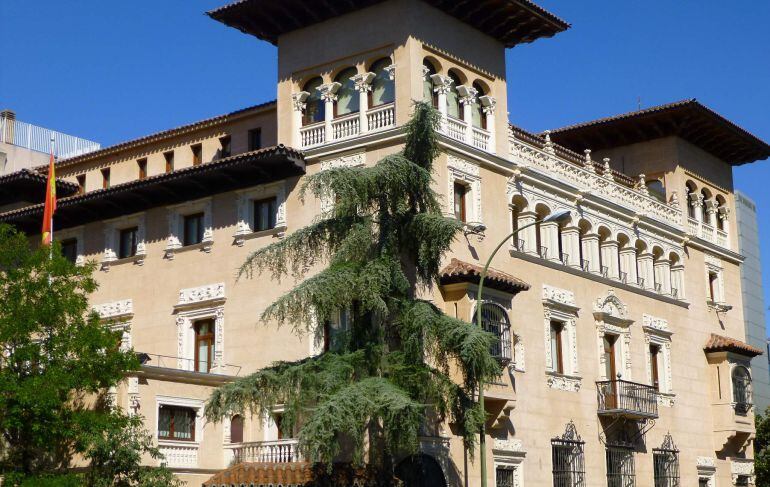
<point>459,271</point>
<point>719,343</point>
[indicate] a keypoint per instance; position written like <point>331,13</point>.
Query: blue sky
<point>111,71</point>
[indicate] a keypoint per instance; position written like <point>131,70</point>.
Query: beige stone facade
<point>637,267</point>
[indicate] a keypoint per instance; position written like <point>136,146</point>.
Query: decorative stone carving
<point>611,305</point>
<point>176,216</point>
<point>245,210</point>
<point>563,382</point>
<point>649,321</point>
<point>607,173</point>
<point>460,169</point>
<point>611,317</point>
<point>709,462</point>
<point>549,146</point>
<point>298,101</point>
<point>328,91</point>
<point>467,94</point>
<point>742,467</point>
<point>508,445</point>
<point>208,292</point>
<point>488,104</point>
<point>558,295</point>
<point>588,163</point>
<point>391,70</point>
<point>559,305</point>
<point>642,185</point>
<point>357,159</point>
<point>363,82</point>
<point>441,84</point>
<point>115,309</point>
<point>134,403</point>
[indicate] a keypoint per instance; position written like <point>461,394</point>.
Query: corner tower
<point>352,69</point>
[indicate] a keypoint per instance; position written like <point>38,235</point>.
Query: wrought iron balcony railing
<point>629,399</point>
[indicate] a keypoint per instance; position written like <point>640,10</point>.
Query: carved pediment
<point>611,308</point>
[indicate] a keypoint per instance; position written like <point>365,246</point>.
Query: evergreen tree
<point>762,449</point>
<point>391,372</point>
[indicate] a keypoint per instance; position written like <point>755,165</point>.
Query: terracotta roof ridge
<point>158,135</point>
<point>719,343</point>
<point>623,115</point>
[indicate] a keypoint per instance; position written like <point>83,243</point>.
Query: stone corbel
<point>488,104</point>
<point>711,206</point>
<point>724,213</point>
<point>363,82</point>
<point>467,94</point>
<point>299,100</point>
<point>441,84</point>
<point>328,91</point>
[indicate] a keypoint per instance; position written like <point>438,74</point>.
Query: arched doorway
<point>420,471</point>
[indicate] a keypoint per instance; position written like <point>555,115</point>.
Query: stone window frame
<point>460,170</point>
<point>195,304</point>
<point>611,316</point>
<point>245,210</point>
<point>559,305</point>
<point>176,214</point>
<point>352,159</point>
<point>112,229</point>
<point>180,453</point>
<point>714,265</point>
<point>77,233</point>
<point>657,332</point>
<point>706,468</point>
<point>742,467</point>
<point>118,316</point>
<point>509,454</point>
<point>505,301</point>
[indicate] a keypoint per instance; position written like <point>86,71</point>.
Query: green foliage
<point>762,449</point>
<point>388,375</point>
<point>57,361</point>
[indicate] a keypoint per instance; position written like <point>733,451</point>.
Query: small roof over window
<point>459,271</point>
<point>719,343</point>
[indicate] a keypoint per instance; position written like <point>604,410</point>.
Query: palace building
<point>621,329</point>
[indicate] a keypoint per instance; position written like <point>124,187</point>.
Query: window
<point>567,452</point>
<point>236,429</point>
<point>105,178</point>
<point>741,389</point>
<point>169,156</point>
<point>224,143</point>
<point>278,420</point>
<point>315,108</point>
<point>255,139</point>
<point>204,345</point>
<point>505,477</point>
<point>197,154</point>
<point>347,95</point>
<point>69,249</point>
<point>264,214</point>
<point>620,467</point>
<point>478,118</point>
<point>142,166</point>
<point>176,423</point>
<point>494,319</point>
<point>666,464</point>
<point>427,83</point>
<point>692,194</point>
<point>335,329</point>
<point>742,480</point>
<point>193,229</point>
<point>383,88</point>
<point>557,347</point>
<point>453,98</point>
<point>611,370</point>
<point>460,191</point>
<point>703,482</point>
<point>713,286</point>
<point>81,183</point>
<point>654,357</point>
<point>129,239</point>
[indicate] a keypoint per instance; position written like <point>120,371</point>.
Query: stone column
<point>329,96</point>
<point>662,274</point>
<point>677,280</point>
<point>696,202</point>
<point>488,106</point>
<point>528,234</point>
<point>644,263</point>
<point>298,108</point>
<point>363,84</point>
<point>711,215</point>
<point>442,85</point>
<point>467,99</point>
<point>590,244</point>
<point>628,264</point>
<point>549,238</point>
<point>609,249</point>
<point>570,240</point>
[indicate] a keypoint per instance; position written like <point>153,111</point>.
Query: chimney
<point>7,125</point>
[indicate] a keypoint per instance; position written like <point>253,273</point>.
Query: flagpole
<point>53,142</point>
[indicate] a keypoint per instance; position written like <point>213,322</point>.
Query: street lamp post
<point>559,217</point>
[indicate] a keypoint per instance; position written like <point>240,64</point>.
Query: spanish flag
<point>50,201</point>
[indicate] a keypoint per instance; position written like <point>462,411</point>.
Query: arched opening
<point>641,271</point>
<point>657,189</point>
<point>741,378</point>
<point>383,88</point>
<point>585,229</point>
<point>720,205</point>
<point>478,118</point>
<point>541,211</point>
<point>494,319</point>
<point>314,105</point>
<point>518,204</point>
<point>691,190</point>
<point>347,95</point>
<point>236,429</point>
<point>706,196</point>
<point>453,98</point>
<point>624,243</point>
<point>605,235</point>
<point>428,94</point>
<point>677,275</point>
<point>420,471</point>
<point>658,270</point>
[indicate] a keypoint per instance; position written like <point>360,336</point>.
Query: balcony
<point>32,137</point>
<point>275,451</point>
<point>708,232</point>
<point>627,399</point>
<point>347,126</point>
<point>457,129</point>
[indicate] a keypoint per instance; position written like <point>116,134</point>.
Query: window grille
<point>620,467</point>
<point>666,462</point>
<point>568,459</point>
<point>741,389</point>
<point>494,319</point>
<point>505,477</point>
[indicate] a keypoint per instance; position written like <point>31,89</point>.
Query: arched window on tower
<point>347,95</point>
<point>453,97</point>
<point>383,88</point>
<point>479,120</point>
<point>691,191</point>
<point>314,108</point>
<point>428,94</point>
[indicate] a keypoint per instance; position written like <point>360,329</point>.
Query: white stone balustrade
<point>276,451</point>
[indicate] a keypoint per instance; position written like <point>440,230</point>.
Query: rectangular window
<point>204,345</point>
<point>714,286</point>
<point>654,355</point>
<point>224,143</point>
<point>666,464</point>
<point>69,249</point>
<point>197,154</point>
<point>278,420</point>
<point>176,423</point>
<point>334,329</point>
<point>81,183</point>
<point>460,191</point>
<point>702,481</point>
<point>505,477</point>
<point>255,139</point>
<point>193,229</point>
<point>568,463</point>
<point>557,347</point>
<point>169,156</point>
<point>142,165</point>
<point>264,214</point>
<point>105,178</point>
<point>129,238</point>
<point>620,467</point>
